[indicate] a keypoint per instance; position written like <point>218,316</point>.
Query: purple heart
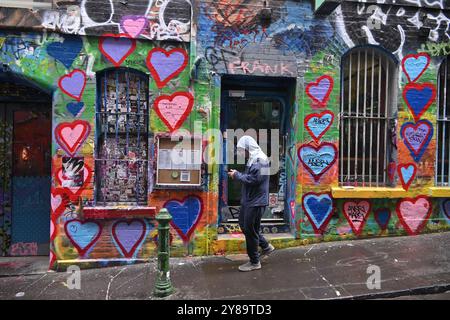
<point>117,48</point>
<point>73,83</point>
<point>129,236</point>
<point>166,65</point>
<point>319,92</point>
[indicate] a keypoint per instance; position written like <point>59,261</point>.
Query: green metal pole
<point>163,285</point>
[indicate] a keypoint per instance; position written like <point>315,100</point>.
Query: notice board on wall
<point>178,163</point>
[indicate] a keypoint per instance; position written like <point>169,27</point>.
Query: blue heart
<point>82,234</point>
<point>382,216</point>
<point>66,51</point>
<point>318,125</point>
<point>418,99</point>
<point>415,66</point>
<point>75,108</point>
<point>318,208</point>
<point>185,215</point>
<point>407,173</point>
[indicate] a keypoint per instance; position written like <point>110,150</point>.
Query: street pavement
<point>408,267</point>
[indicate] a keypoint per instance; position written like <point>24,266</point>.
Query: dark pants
<point>250,223</point>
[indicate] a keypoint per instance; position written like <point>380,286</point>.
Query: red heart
<point>320,90</point>
<point>406,184</point>
<point>174,109</point>
<point>73,84</point>
<point>356,214</point>
<point>413,213</point>
<point>320,116</point>
<point>58,201</point>
<point>71,135</point>
<point>165,65</point>
<point>112,49</point>
<point>75,191</point>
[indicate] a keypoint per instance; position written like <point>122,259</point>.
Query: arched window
<point>367,117</point>
<point>121,162</point>
<point>443,126</point>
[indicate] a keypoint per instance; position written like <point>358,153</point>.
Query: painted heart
<point>82,234</point>
<point>382,217</point>
<point>186,215</point>
<point>116,47</point>
<point>71,135</point>
<point>75,191</point>
<point>52,260</point>
<point>318,207</point>
<point>52,229</point>
<point>174,109</point>
<point>414,65</point>
<point>57,201</point>
<point>75,108</point>
<point>134,25</point>
<point>419,97</point>
<point>406,173</point>
<point>67,51</point>
<point>164,65</point>
<point>317,160</point>
<point>413,213</point>
<point>320,90</point>
<point>356,213</point>
<point>129,235</point>
<point>417,136</point>
<point>292,207</point>
<point>318,123</point>
<point>446,208</point>
<point>73,84</point>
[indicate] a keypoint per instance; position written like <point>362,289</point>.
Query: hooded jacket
<point>255,178</point>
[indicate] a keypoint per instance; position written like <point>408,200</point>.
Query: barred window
<point>122,137</point>
<point>367,117</point>
<point>443,126</point>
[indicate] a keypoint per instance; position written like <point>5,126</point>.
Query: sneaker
<point>268,251</point>
<point>250,266</point>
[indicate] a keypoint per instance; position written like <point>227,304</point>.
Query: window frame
<point>100,98</point>
<point>386,119</point>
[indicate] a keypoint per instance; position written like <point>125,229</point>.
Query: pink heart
<point>174,109</point>
<point>414,213</point>
<point>71,135</point>
<point>134,25</point>
<point>356,213</point>
<point>55,202</point>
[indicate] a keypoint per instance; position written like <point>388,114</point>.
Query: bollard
<point>163,286</point>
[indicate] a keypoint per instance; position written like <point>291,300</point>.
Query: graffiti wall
<point>122,77</point>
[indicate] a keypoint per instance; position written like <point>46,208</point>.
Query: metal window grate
<point>367,109</point>
<point>122,142</point>
<point>443,127</point>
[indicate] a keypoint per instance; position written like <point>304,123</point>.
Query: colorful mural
<point>184,53</point>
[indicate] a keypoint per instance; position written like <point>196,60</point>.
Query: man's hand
<point>231,173</point>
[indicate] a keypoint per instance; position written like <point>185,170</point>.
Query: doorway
<point>259,106</point>
<point>25,177</point>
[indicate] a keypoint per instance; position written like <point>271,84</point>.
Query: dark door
<point>245,109</point>
<point>25,172</point>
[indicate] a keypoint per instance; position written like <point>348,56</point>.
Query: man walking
<point>254,200</point>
